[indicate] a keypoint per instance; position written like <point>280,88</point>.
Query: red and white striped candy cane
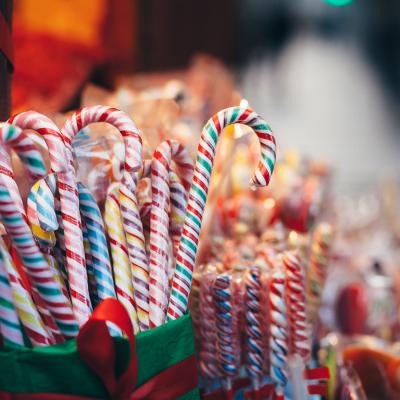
<point>295,290</point>
<point>133,162</point>
<point>60,163</point>
<point>165,153</point>
<point>187,251</point>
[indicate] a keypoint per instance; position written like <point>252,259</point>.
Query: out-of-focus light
<point>269,203</point>
<point>338,3</point>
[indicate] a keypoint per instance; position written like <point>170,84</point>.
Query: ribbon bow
<point>96,348</point>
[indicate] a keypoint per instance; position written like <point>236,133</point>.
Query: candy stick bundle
<point>275,321</point>
<point>138,248</point>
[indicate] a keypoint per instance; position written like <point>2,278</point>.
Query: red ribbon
<point>6,40</point>
<point>96,348</point>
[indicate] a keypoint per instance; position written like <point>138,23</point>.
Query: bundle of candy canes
<point>61,254</point>
<point>255,307</point>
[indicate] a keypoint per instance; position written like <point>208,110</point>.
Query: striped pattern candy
<point>132,225</point>
<point>131,136</point>
<point>163,156</point>
<point>254,322</point>
<point>178,199</point>
<point>318,264</point>
<point>73,240</point>
<point>295,290</point>
<point>119,253</point>
<point>207,329</point>
<point>23,145</point>
<point>97,243</point>
<point>10,327</point>
<point>27,312</point>
<point>225,327</point>
<point>89,267</point>
<point>36,265</point>
<point>187,251</point>
<point>278,331</point>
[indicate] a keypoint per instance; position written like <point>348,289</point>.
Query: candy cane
<point>36,265</point>
<point>34,165</point>
<point>227,352</point>
<point>96,251</point>
<point>318,264</point>
<point>178,200</point>
<point>119,252</point>
<point>187,251</point>
<point>133,154</point>
<point>33,260</point>
<point>164,154</point>
<point>254,322</point>
<point>29,155</point>
<point>279,331</point>
<point>10,327</point>
<point>207,329</point>
<point>27,312</point>
<point>299,332</point>
<point>59,163</point>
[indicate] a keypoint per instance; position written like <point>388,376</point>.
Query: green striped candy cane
<point>186,256</point>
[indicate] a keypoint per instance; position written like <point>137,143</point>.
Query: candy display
<point>121,236</point>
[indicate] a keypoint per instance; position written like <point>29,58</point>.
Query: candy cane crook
<point>187,251</point>
<point>60,164</point>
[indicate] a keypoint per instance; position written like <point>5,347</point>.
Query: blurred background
<point>326,77</point>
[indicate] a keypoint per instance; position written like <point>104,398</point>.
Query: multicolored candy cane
<point>27,312</point>
<point>133,149</point>
<point>187,251</point>
<point>75,253</point>
<point>300,342</point>
<point>33,260</point>
<point>279,331</point>
<point>10,326</point>
<point>28,154</point>
<point>119,252</point>
<point>165,153</point>
<point>254,321</point>
<point>36,265</point>
<point>227,353</point>
<point>178,200</point>
<point>318,264</point>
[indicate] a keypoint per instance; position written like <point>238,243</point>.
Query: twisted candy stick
<point>119,252</point>
<point>279,331</point>
<point>37,268</point>
<point>33,163</point>
<point>10,327</point>
<point>96,250</point>
<point>97,243</point>
<point>36,265</point>
<point>133,228</point>
<point>299,332</point>
<point>133,157</point>
<point>31,158</point>
<point>75,254</point>
<point>317,269</point>
<point>254,322</point>
<point>207,354</point>
<point>178,199</point>
<point>27,312</point>
<point>164,154</point>
<point>225,327</point>
<point>187,251</point>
